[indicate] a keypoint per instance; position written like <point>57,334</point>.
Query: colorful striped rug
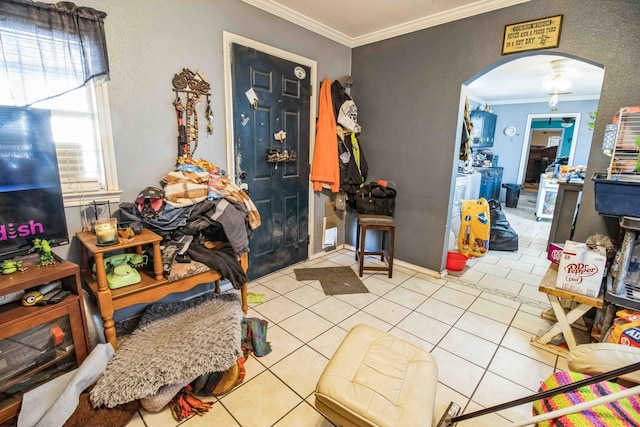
<point>622,413</point>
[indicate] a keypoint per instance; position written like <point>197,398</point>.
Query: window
<point>53,56</point>
<point>82,133</point>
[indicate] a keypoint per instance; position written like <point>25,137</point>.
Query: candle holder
<point>106,232</point>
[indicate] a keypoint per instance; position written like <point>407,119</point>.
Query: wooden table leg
<point>105,303</point>
<point>563,325</point>
<point>243,293</point>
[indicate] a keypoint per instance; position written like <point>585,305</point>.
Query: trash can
<point>513,193</point>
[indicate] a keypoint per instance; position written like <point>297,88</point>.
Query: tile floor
<point>477,326</point>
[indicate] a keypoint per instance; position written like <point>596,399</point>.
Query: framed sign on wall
<point>543,33</point>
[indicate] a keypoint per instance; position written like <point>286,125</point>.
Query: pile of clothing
<point>201,215</point>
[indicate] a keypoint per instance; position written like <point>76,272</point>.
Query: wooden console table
<point>151,288</point>
<point>564,320</point>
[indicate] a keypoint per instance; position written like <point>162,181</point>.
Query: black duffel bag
<point>376,199</point>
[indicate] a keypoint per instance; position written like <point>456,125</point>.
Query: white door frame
<point>227,39</point>
<point>526,142</point>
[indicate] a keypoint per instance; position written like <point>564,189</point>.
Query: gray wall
<point>151,40</point>
<point>408,95</point>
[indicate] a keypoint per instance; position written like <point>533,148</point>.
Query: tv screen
<point>31,204</point>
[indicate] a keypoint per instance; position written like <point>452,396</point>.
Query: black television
<point>31,204</point>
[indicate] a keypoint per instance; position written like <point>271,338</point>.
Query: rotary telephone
<point>121,269</point>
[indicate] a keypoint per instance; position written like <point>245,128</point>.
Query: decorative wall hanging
<point>194,86</point>
<point>542,33</point>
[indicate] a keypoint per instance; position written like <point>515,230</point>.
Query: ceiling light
<point>567,122</point>
<point>566,125</point>
<point>554,100</point>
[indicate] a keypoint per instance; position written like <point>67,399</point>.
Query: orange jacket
<point>325,168</point>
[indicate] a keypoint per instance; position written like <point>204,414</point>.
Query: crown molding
<point>302,20</point>
<point>477,8</point>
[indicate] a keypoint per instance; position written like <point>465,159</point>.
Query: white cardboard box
<point>581,269</point>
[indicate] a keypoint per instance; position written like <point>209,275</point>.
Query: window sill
<point>84,199</point>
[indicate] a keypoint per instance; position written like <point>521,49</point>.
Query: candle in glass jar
<point>106,231</point>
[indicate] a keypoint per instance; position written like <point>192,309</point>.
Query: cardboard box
<point>581,269</point>
<point>554,253</point>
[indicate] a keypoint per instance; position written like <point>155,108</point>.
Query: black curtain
<point>48,49</point>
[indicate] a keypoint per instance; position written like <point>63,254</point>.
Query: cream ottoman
<point>376,379</point>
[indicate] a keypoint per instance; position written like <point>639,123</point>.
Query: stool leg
<point>392,232</point>
<point>383,241</point>
<point>363,235</point>
<point>357,240</point>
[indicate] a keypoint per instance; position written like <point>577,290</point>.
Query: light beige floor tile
<point>515,265</point>
<point>532,293</point>
<point>327,343</point>
<point>387,311</point>
<point>534,252</point>
<point>490,258</point>
<point>441,311</point>
<point>252,367</point>
<point>494,270</point>
<point>454,297</point>
<point>405,297</point>
<point>282,344</point>
<point>493,310</point>
<point>528,259</point>
<point>268,293</point>
<point>306,296</point>
<point>344,259</point>
<point>270,400</point>
<point>500,283</point>
<point>482,327</point>
<point>457,373</point>
<point>305,325</point>
<point>487,420</point>
<point>424,327</point>
<point>398,276</point>
<point>422,286</point>
<point>463,286</point>
<point>494,390</point>
<point>526,278</point>
<point>304,415</point>
<point>539,270</point>
<point>469,347</point>
<point>519,368</point>
<point>520,341</point>
<point>377,285</point>
<point>366,318</point>
<point>472,276</point>
<point>506,300</point>
<point>301,370</point>
<point>268,277</point>
<point>333,309</point>
<point>358,300</point>
<point>531,323</point>
<point>283,284</point>
<point>278,309</point>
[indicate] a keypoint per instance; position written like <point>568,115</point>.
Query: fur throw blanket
<point>174,342</point>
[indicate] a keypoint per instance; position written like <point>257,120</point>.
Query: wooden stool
<point>375,222</point>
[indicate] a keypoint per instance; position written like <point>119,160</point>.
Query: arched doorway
<point>517,90</point>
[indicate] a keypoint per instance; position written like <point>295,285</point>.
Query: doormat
<point>334,280</point>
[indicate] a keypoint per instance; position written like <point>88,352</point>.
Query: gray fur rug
<point>174,342</point>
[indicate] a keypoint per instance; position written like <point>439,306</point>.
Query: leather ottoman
<point>375,379</point>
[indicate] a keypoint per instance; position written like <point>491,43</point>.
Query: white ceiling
<point>359,22</point>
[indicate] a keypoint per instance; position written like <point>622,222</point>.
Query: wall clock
<point>510,130</point>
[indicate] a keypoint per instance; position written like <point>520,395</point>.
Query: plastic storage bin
<point>616,197</point>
